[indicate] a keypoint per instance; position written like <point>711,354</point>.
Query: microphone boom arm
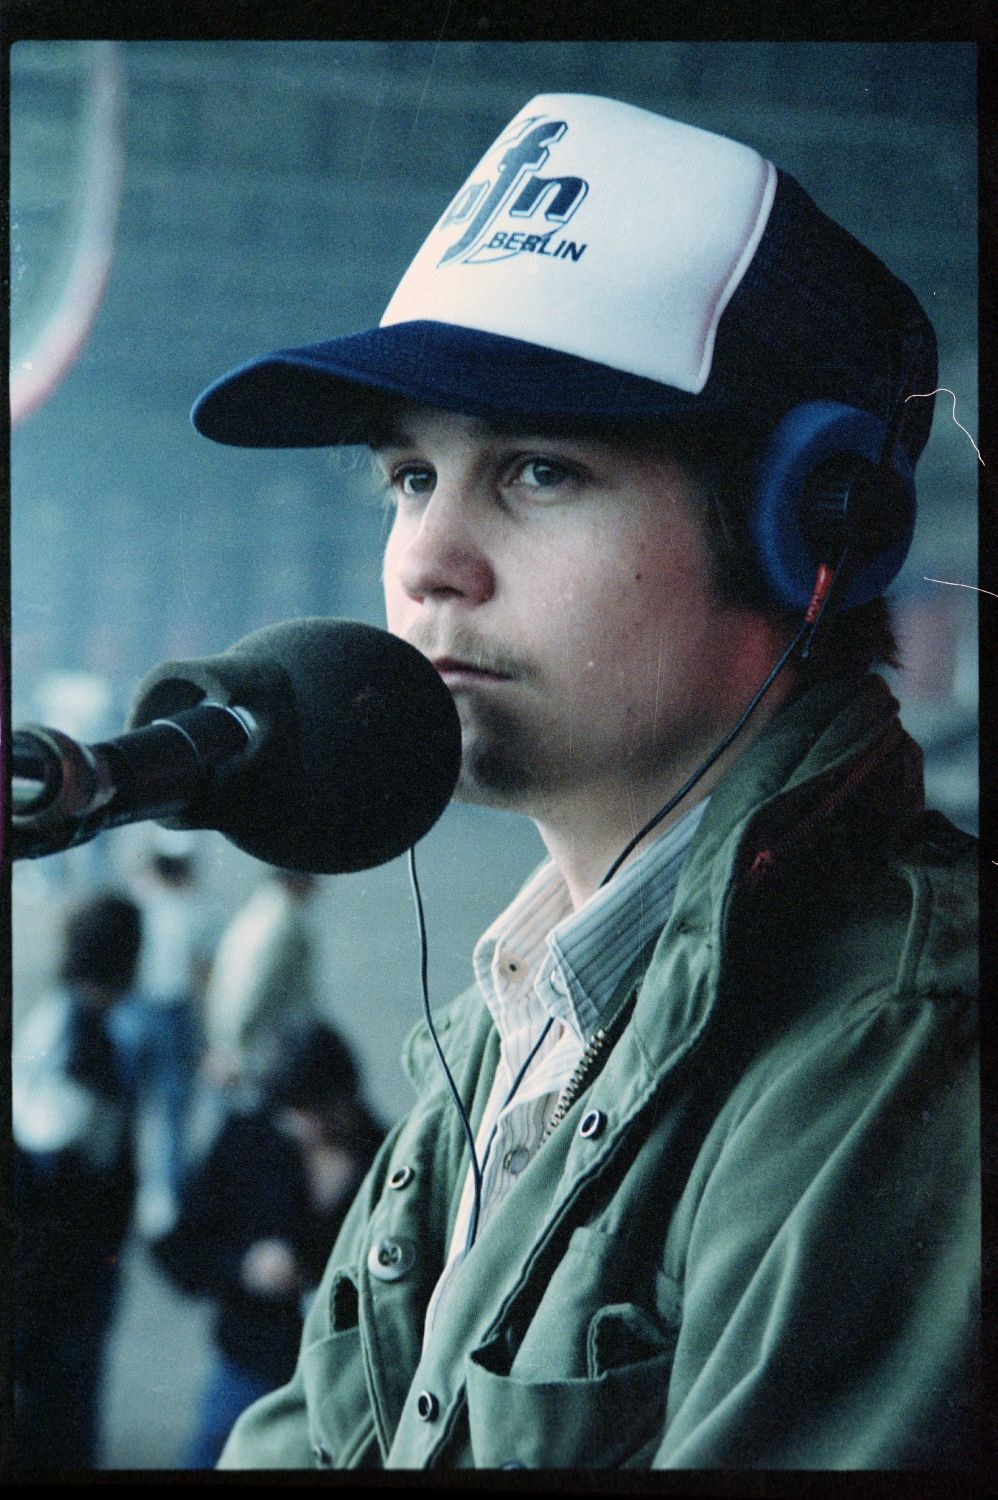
<point>64,793</point>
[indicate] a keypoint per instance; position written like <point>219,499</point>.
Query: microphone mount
<point>64,793</point>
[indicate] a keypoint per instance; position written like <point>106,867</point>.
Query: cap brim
<point>321,395</point>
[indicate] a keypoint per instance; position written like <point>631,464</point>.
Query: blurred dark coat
<point>74,1189</point>
<point>252,1186</point>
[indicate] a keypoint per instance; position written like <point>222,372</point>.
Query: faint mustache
<point>484,656</point>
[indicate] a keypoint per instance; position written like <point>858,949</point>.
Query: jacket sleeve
<point>832,1271</point>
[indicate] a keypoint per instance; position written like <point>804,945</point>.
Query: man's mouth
<point>457,671</point>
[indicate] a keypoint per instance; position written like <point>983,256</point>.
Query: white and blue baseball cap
<point>606,264</point>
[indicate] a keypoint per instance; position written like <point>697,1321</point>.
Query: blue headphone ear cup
<point>808,436</point>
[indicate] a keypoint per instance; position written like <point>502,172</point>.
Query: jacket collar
<point>825,757</point>
<point>833,743</point>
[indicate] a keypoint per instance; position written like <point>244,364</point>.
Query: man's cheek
<point>393,592</point>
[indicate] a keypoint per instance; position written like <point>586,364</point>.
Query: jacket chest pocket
<point>341,1422</point>
<point>588,1384</point>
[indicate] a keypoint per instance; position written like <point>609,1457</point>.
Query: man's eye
<point>412,480</point>
<point>542,473</point>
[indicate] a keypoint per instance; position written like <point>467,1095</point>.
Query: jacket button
<point>391,1259</point>
<point>427,1406</point>
<point>592,1124</point>
<point>323,1457</point>
<point>516,1160</point>
<point>401,1177</point>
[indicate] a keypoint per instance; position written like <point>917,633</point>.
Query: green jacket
<point>761,1251</point>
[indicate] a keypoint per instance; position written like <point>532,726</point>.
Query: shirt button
<point>516,1160</point>
<point>427,1406</point>
<point>391,1259</point>
<point>558,982</point>
<point>401,1177</point>
<point>592,1124</point>
<point>323,1457</point>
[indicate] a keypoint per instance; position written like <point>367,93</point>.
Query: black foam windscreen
<point>360,749</point>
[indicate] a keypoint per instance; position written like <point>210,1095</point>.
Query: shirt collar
<point>539,952</point>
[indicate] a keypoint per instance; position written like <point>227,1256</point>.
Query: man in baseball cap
<point>640,410</point>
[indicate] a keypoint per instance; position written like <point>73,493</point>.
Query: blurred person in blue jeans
<point>259,1215</point>
<point>74,1188</point>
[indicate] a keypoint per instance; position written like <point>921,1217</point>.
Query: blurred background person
<point>158,1029</point>
<point>74,1187</point>
<point>263,982</point>
<point>259,1214</point>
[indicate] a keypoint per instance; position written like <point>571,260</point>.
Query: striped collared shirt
<point>541,961</point>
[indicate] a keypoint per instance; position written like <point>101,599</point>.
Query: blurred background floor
<point>157,1363</point>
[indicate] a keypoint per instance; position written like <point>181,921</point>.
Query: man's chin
<point>490,791</point>
<point>491,776</point>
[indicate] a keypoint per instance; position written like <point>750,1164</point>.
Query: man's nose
<point>443,556</point>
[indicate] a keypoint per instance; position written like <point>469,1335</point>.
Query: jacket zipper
<point>592,1053</point>
<point>766,859</point>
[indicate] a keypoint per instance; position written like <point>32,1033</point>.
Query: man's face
<point>560,585</point>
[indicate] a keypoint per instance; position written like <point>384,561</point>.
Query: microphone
<point>316,744</point>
